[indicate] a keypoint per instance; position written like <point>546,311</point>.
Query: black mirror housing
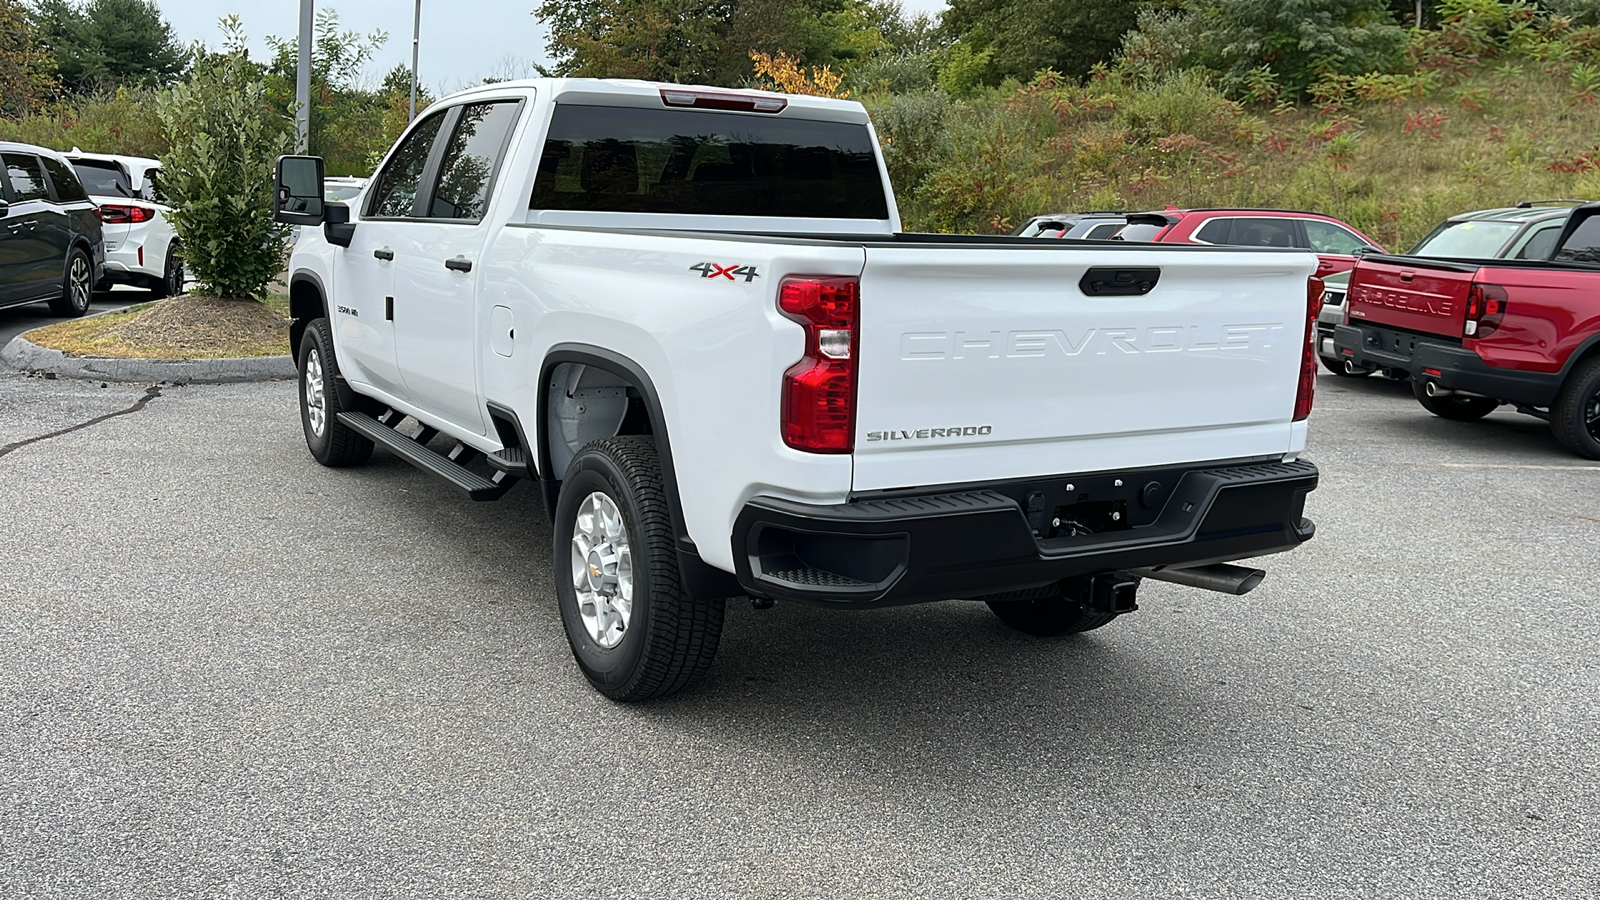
<point>297,192</point>
<point>336,224</point>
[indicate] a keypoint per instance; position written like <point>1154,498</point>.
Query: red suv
<point>1334,242</point>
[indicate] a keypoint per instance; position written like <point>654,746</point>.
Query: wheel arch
<point>1585,351</point>
<point>698,578</point>
<point>308,299</point>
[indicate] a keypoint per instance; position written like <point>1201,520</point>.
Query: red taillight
<point>1308,352</point>
<point>112,214</point>
<point>722,100</point>
<point>1486,309</point>
<point>819,391</point>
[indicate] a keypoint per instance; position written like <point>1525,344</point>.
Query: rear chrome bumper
<point>917,547</point>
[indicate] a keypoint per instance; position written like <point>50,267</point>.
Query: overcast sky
<point>462,40</point>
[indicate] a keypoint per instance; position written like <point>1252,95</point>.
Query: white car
<point>687,318</point>
<point>141,247</point>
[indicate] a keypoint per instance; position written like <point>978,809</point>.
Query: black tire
<point>333,443</point>
<point>1049,616</point>
<point>1456,409</point>
<point>1336,366</point>
<point>668,639</point>
<point>1575,417</point>
<point>171,282</point>
<point>77,286</point>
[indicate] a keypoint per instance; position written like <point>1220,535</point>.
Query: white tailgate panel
<point>1003,342</point>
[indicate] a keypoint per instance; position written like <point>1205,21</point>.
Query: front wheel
<point>330,441</point>
<point>634,631</point>
<point>1575,417</point>
<point>1453,407</point>
<point>77,286</point>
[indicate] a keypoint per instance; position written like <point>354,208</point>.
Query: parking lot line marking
<point>1514,466</point>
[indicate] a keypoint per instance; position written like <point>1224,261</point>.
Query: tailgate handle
<point>1107,281</point>
<point>1407,275</point>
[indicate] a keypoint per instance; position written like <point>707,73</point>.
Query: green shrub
<point>218,174</point>
<point>122,122</point>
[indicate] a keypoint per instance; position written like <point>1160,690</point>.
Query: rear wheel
<point>330,441</point>
<point>1455,408</point>
<point>1575,417</point>
<point>77,286</point>
<point>634,631</point>
<point>171,283</point>
<point>1048,616</point>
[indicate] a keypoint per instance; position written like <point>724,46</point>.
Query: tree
<point>1299,41</point>
<point>704,41</point>
<point>218,173</point>
<point>26,67</point>
<point>1025,36</point>
<point>107,43</point>
<point>348,120</point>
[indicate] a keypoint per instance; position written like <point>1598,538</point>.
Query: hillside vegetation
<point>1484,116</point>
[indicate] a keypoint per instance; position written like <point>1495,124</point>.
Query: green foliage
<point>965,68</point>
<point>217,174</point>
<point>124,121</point>
<point>26,67</point>
<point>351,125</point>
<point>1026,36</point>
<point>103,44</point>
<point>1299,41</point>
<point>710,41</point>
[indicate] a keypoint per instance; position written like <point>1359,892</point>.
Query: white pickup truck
<point>688,318</point>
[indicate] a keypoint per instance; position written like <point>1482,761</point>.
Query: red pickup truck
<point>1474,334</point>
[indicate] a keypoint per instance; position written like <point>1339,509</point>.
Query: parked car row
<point>1493,307</point>
<point>73,224</point>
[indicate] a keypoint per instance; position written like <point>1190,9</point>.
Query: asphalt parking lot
<point>229,672</point>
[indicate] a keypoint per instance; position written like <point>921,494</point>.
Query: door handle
<point>459,264</point>
<point>384,253</point>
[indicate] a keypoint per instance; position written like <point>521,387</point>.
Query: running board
<point>476,486</point>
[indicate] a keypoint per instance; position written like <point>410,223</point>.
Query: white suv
<point>141,247</point>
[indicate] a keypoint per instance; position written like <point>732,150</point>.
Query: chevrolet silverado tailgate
<point>981,363</point>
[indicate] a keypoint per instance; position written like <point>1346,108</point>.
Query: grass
<point>188,327</point>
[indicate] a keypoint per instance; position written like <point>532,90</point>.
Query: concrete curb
<point>24,354</point>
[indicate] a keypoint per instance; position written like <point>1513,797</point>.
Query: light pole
<point>416,39</point>
<point>302,91</point>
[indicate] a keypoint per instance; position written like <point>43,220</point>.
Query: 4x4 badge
<point>712,270</point>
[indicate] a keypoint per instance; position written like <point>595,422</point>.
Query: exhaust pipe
<point>1350,367</point>
<point>1220,577</point>
<point>1433,390</point>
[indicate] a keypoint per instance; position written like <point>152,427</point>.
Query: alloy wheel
<point>602,570</point>
<point>78,283</point>
<point>316,399</point>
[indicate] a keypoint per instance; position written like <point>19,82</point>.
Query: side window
<point>1103,232</point>
<point>1327,237</point>
<point>400,180</point>
<point>1263,233</point>
<point>1214,231</point>
<point>26,177</point>
<point>1584,245</point>
<point>1540,242</point>
<point>64,180</point>
<point>470,160</point>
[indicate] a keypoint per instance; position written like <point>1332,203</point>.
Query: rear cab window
<point>641,160</point>
<point>1466,240</point>
<point>1584,244</point>
<point>103,178</point>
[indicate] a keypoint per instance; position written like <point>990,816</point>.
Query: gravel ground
<point>229,672</point>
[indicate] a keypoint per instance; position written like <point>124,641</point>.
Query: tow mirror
<point>297,197</point>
